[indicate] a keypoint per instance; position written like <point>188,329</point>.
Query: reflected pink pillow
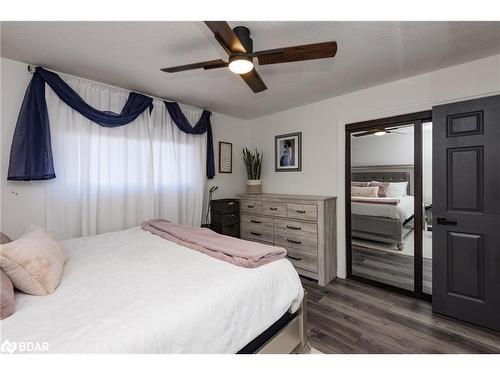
<point>383,187</point>
<point>7,300</point>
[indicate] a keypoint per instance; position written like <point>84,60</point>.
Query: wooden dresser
<point>303,224</point>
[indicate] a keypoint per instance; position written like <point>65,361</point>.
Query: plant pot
<point>254,186</point>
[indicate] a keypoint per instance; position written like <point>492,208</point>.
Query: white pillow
<point>397,189</point>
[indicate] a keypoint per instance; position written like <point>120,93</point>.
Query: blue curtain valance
<point>203,125</point>
<point>31,151</point>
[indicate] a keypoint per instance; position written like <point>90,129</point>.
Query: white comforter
<point>134,292</point>
<point>402,211</point>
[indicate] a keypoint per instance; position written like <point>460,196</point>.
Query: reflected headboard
<point>385,173</point>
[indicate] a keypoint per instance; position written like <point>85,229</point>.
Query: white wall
<point>322,125</point>
<point>23,203</point>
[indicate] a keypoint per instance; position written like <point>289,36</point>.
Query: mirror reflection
<point>382,205</point>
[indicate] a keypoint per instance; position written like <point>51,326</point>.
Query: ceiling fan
<point>239,46</point>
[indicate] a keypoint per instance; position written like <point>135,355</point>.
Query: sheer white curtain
<point>114,178</point>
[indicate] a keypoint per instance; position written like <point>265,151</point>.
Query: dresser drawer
<point>256,222</point>
<point>302,211</point>
<point>274,208</point>
<point>299,235</point>
<point>247,205</point>
<point>256,235</point>
<point>303,259</point>
<point>294,241</point>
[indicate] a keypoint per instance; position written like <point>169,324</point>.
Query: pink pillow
<point>7,300</point>
<point>34,262</point>
<point>383,187</point>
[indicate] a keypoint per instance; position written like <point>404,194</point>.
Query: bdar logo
<point>8,347</point>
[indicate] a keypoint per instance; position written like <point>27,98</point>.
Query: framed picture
<point>288,152</point>
<point>225,157</point>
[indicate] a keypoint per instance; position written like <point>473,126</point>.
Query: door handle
<point>445,221</point>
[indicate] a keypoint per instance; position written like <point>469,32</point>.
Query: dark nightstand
<point>225,217</point>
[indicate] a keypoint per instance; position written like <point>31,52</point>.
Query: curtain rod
<point>32,69</point>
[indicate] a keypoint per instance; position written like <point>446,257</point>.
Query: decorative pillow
<point>397,189</point>
<point>382,188</point>
<point>34,262</point>
<point>359,183</point>
<point>7,300</point>
<point>4,238</point>
<point>371,192</point>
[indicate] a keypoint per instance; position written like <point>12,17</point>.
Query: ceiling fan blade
<point>226,36</point>
<point>221,64</point>
<point>253,80</point>
<point>212,64</point>
<point>363,133</point>
<point>298,53</point>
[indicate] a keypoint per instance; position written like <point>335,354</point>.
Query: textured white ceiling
<point>130,55</point>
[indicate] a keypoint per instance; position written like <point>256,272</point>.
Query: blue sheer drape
<point>31,151</point>
<point>203,125</point>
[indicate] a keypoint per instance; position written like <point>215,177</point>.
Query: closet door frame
<point>415,119</point>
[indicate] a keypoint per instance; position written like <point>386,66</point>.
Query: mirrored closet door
<point>386,213</point>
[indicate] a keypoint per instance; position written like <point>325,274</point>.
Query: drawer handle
<point>230,203</point>
<point>256,233</point>
<point>255,221</point>
<point>294,258</point>
<point>273,208</point>
<point>294,228</point>
<point>301,211</point>
<point>252,206</point>
<point>293,241</point>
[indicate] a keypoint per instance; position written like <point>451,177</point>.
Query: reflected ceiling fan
<point>378,132</point>
<point>239,46</point>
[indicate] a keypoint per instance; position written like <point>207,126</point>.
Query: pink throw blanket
<point>389,201</point>
<point>233,250</point>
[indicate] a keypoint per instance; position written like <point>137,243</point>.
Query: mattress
<point>402,211</point>
<point>134,292</point>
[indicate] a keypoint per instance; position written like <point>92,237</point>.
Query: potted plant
<point>253,163</point>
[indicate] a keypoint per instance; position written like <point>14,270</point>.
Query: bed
<point>134,292</point>
<point>381,222</point>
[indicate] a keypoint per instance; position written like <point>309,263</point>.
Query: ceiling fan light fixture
<point>240,64</point>
<point>380,133</point>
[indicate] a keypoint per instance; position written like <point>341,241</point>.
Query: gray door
<point>466,211</point>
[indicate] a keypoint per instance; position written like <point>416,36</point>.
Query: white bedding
<point>402,211</point>
<point>134,292</point>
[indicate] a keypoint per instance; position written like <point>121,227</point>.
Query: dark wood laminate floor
<point>389,268</point>
<point>351,317</point>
